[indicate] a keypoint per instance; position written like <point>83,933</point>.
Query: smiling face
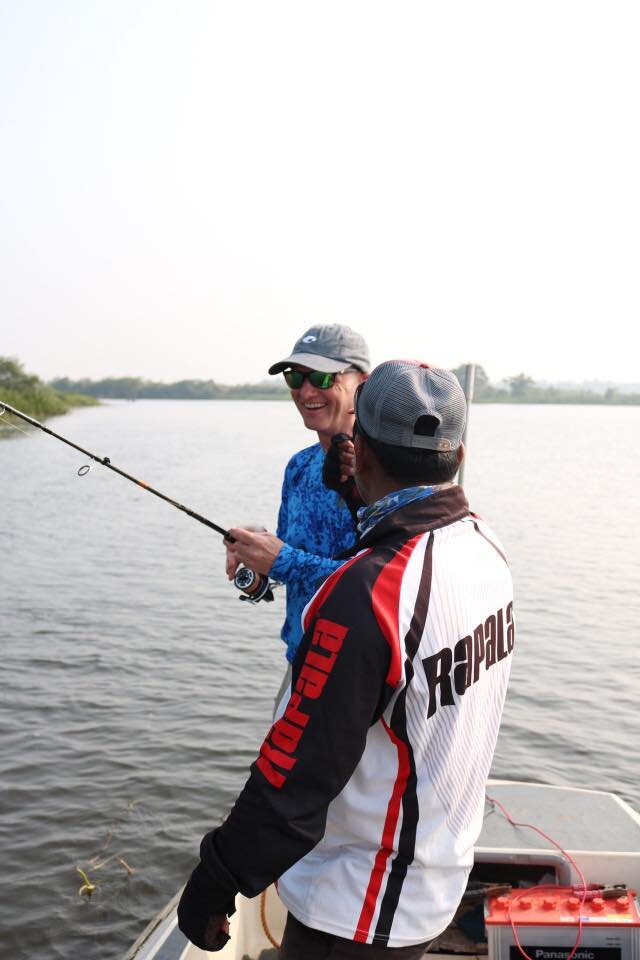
<point>327,411</point>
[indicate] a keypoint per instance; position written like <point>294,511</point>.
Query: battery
<point>547,925</point>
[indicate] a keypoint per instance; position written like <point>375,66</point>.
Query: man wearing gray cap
<point>323,370</point>
<point>367,797</point>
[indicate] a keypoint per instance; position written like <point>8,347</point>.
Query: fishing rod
<point>254,586</point>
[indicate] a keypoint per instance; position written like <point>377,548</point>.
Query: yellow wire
<point>263,918</point>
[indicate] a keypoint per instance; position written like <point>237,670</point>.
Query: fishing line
<point>82,471</point>
<point>14,426</point>
<point>254,586</point>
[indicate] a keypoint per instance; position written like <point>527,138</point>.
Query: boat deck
<point>577,819</point>
<point>599,830</point>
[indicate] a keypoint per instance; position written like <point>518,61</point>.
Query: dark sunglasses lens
<point>294,379</point>
<point>321,380</point>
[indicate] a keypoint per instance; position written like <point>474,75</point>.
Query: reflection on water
<point>137,687</point>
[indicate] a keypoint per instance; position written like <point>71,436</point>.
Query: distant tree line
<point>523,389</point>
<point>135,388</point>
<point>516,389</point>
<point>38,399</point>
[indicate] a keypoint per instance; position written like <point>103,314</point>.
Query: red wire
<point>528,890</point>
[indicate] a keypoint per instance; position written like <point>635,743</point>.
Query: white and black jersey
<point>367,796</point>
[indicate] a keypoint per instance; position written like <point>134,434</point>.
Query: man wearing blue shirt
<point>314,524</point>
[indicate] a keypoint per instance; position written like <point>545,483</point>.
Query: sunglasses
<point>295,378</point>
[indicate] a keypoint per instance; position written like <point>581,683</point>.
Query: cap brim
<point>311,360</point>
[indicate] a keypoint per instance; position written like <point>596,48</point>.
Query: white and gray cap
<point>330,348</point>
<point>406,403</point>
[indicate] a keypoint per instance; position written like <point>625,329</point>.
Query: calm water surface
<point>137,687</point>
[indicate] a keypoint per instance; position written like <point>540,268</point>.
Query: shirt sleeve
<point>283,512</point>
<point>293,564</point>
<point>339,690</point>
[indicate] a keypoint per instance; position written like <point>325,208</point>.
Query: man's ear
<point>460,453</point>
<point>361,378</point>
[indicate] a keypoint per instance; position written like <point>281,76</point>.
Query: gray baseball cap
<point>329,347</point>
<point>390,404</point>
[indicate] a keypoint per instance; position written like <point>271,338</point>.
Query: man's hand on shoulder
<point>203,922</point>
<point>339,462</point>
<point>339,469</point>
<point>256,549</point>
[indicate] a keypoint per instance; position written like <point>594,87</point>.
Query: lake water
<point>124,648</point>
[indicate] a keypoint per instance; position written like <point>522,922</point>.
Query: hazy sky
<point>188,185</point>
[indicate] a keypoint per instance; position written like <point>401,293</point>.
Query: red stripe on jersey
<point>327,587</point>
<point>385,602</point>
<point>388,833</point>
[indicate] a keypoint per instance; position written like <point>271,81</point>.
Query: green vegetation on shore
<point>28,393</point>
<point>517,389</point>
<point>135,388</point>
<point>522,389</point>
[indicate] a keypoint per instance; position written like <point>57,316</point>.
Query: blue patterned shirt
<point>315,525</point>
